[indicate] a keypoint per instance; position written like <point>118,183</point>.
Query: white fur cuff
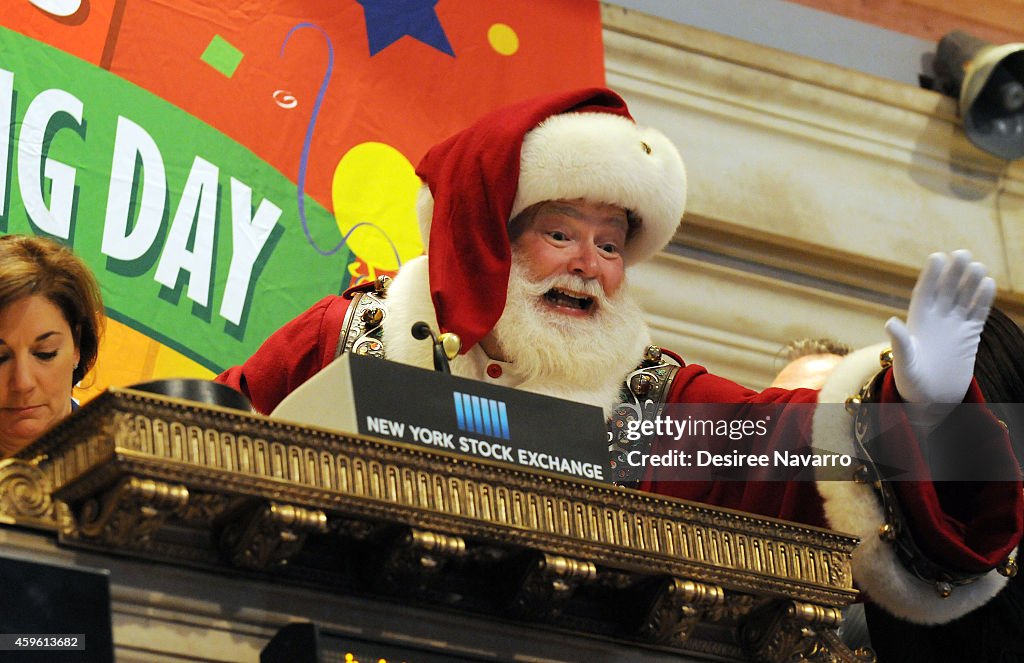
<point>854,508</point>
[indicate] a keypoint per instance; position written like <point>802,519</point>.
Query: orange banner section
<point>410,94</point>
<point>331,105</point>
<point>85,28</point>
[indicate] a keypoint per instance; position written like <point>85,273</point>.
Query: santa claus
<point>532,217</point>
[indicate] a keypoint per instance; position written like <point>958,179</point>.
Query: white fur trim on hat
<point>854,508</point>
<point>608,159</point>
<point>602,158</point>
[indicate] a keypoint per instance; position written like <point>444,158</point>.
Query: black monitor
<point>50,612</point>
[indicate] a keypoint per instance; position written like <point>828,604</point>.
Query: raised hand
<point>933,353</point>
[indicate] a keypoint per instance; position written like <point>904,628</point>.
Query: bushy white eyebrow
<point>572,211</point>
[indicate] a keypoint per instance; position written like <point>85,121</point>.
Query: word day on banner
<point>222,169</point>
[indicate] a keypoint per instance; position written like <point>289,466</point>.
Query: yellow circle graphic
<point>503,39</point>
<point>374,196</point>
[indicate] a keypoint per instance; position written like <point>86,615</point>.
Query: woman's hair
<point>999,370</point>
<point>1000,365</point>
<point>39,266</point>
<point>804,347</point>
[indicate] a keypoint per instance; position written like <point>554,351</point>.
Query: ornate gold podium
<point>165,483</point>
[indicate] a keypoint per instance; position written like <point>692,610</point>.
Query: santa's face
<point>577,238</point>
<point>546,343</point>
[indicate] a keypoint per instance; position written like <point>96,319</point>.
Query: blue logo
<point>482,416</point>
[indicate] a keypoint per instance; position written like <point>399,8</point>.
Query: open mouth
<point>559,297</point>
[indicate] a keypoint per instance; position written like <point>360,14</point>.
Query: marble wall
<point>815,195</point>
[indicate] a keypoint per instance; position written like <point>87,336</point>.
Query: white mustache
<point>569,283</point>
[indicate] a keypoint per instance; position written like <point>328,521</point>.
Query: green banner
<point>195,240</point>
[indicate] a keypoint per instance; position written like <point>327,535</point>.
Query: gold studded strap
<point>362,328</point>
<point>642,397</point>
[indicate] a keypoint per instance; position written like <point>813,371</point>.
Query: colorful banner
<point>221,168</point>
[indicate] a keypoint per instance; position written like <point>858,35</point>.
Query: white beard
<point>578,358</point>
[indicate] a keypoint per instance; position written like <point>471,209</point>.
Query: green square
<point>222,56</point>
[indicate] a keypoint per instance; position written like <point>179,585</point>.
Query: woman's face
<point>37,357</point>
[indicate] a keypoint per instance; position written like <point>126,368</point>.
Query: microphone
<point>422,331</point>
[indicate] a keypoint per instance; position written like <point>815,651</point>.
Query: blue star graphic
<point>387,21</point>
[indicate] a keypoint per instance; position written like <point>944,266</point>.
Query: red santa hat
<point>578,144</point>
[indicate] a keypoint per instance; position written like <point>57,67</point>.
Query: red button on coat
<point>494,371</point>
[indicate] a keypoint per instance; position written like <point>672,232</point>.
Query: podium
<point>398,544</point>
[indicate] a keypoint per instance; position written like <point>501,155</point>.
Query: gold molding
<point>679,608</point>
<point>549,583</point>
<point>25,496</point>
<point>133,510</point>
<point>792,630</point>
<point>132,471</point>
<point>266,534</point>
<point>216,450</point>
<point>416,559</point>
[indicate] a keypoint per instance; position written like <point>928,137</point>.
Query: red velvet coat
<point>970,528</point>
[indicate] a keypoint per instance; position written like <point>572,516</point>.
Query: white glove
<point>933,354</point>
